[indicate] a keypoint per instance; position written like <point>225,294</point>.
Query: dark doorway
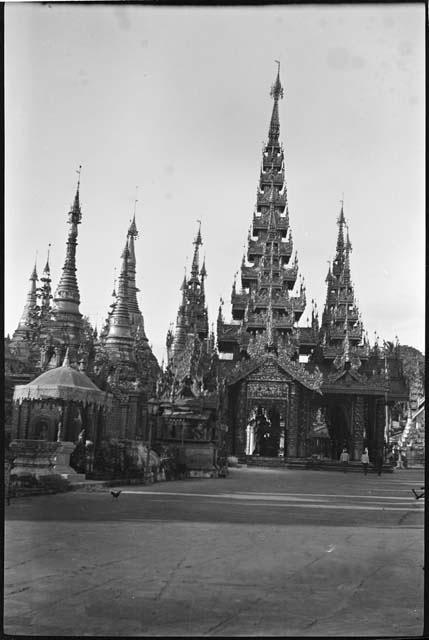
<point>267,432</point>
<point>339,429</point>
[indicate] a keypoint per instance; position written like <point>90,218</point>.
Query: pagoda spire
<point>192,317</point>
<point>29,314</point>
<point>195,261</point>
<point>340,249</point>
<point>65,310</point>
<point>276,93</point>
<point>341,313</point>
<point>266,307</point>
<point>119,340</point>
<point>136,316</point>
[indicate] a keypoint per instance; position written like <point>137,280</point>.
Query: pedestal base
<point>41,458</point>
<point>61,461</point>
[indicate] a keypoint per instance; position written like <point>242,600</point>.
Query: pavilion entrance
<point>339,425</point>
<point>265,431</point>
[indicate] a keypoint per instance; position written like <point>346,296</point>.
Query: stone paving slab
<point>144,572</point>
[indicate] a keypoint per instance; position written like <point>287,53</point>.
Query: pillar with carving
<point>293,421</point>
<point>358,427</point>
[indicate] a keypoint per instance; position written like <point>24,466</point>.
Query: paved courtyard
<point>262,552</point>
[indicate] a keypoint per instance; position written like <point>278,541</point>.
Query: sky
<point>175,101</point>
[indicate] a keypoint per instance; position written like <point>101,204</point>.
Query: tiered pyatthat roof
<point>341,330</point>
<point>265,309</point>
<point>28,320</point>
<point>65,312</point>
<point>192,315</point>
<point>191,353</point>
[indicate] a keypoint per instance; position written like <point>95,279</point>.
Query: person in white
<point>365,461</point>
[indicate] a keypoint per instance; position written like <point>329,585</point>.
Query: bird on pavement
<point>116,494</point>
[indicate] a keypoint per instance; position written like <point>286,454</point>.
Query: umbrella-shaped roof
<point>63,383</point>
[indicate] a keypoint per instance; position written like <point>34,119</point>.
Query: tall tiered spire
<point>26,323</point>
<point>65,312</point>
<point>266,306</point>
<point>341,329</point>
<point>192,314</point>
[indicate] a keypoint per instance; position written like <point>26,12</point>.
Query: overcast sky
<point>176,101</point>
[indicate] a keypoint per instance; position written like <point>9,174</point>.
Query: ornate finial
<point>47,268</point>
<point>203,272</point>
<point>277,89</point>
<point>78,173</point>
<point>66,361</point>
<point>132,231</point>
<point>198,239</point>
<point>341,219</point>
<point>34,272</point>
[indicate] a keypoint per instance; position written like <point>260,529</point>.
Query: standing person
<point>365,461</point>
<point>399,462</point>
<point>344,459</point>
<point>379,462</point>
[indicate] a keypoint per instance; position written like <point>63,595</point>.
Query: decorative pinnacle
<point>132,231</point>
<point>47,268</point>
<point>75,212</point>
<point>66,361</point>
<point>197,242</point>
<point>34,272</point>
<point>203,272</point>
<point>341,219</point>
<point>78,172</point>
<point>277,89</point>
<point>198,239</point>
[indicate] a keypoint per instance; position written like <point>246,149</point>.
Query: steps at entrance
<point>305,463</point>
<point>261,461</point>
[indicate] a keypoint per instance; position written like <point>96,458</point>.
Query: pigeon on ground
<point>115,494</point>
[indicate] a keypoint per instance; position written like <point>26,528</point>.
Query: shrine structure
<point>118,362</point>
<point>266,388</point>
<point>290,391</point>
